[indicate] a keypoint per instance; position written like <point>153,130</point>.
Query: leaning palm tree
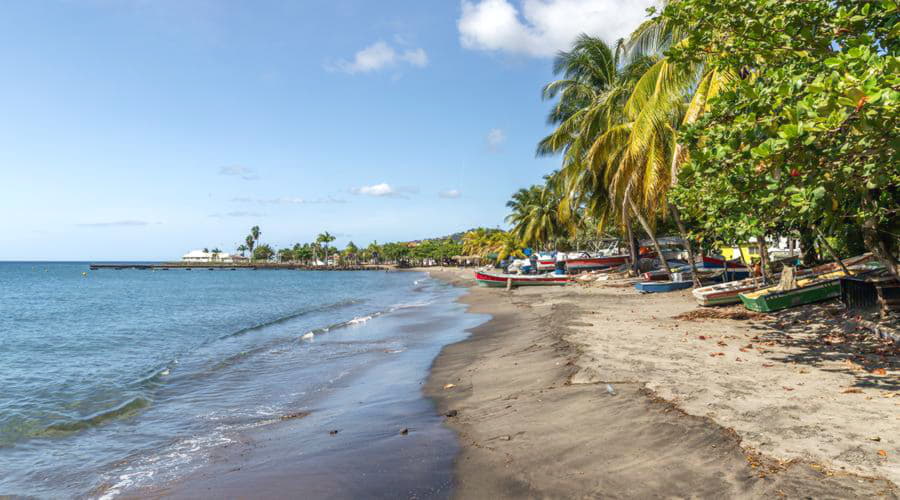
<point>602,171</point>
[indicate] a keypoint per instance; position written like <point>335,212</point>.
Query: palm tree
<point>352,253</point>
<point>254,231</point>
<point>250,244</point>
<point>215,254</point>
<point>241,249</point>
<point>535,216</point>
<point>325,238</point>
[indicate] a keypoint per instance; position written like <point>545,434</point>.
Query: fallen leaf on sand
<point>714,354</point>
<point>853,366</point>
<point>852,390</point>
<point>787,388</point>
<point>449,386</point>
<point>767,365</point>
<point>721,343</point>
<point>879,371</point>
<point>882,453</point>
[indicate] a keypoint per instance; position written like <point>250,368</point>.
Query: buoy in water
<point>84,274</point>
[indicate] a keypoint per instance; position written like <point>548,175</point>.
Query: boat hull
<point>776,301</point>
<point>713,262</point>
<point>662,286</point>
<point>501,280</point>
<point>595,263</point>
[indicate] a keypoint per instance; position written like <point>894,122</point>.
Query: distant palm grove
<point>726,120</point>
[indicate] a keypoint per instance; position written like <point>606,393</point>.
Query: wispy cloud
<point>541,28</point>
<point>287,200</point>
<point>238,214</point>
<point>380,55</point>
<point>495,139</point>
<point>450,194</point>
<point>384,190</point>
<point>117,223</point>
<point>246,173</point>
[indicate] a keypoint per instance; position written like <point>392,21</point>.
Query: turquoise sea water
<point>128,379</point>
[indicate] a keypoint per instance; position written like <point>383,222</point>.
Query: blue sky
<point>141,129</point>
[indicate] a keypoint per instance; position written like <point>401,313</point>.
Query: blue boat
<point>662,286</point>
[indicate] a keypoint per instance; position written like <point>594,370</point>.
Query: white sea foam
<point>359,320</point>
<point>308,336</point>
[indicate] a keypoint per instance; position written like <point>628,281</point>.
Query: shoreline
<point>551,400</point>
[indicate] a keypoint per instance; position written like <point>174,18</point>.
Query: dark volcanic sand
<point>527,432</point>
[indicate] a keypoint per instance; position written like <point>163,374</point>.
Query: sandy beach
<point>582,392</point>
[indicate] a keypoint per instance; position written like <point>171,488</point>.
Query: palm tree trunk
<point>652,235</point>
<point>690,248</point>
<point>633,248</point>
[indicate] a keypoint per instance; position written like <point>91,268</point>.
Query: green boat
<point>813,289</point>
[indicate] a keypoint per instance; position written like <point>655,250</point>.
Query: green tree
<point>250,242</point>
<point>263,252</point>
<point>807,137</point>
<point>324,239</point>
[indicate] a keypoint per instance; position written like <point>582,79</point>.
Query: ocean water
<point>122,381</point>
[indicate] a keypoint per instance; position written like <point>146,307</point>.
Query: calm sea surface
<point>122,380</point>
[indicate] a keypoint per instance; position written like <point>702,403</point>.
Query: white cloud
<point>381,55</point>
<point>246,173</point>
<point>450,193</point>
<point>541,28</point>
<point>495,138</point>
<point>384,190</point>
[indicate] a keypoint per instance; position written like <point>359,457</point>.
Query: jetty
<point>222,266</point>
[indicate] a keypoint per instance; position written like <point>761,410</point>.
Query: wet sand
<point>597,392</point>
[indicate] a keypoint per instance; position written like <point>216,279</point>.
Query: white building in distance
<point>201,256</point>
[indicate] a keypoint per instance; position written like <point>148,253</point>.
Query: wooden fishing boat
<point>728,293</point>
<point>815,288</point>
<point>590,263</point>
<point>662,286</point>
<point>715,262</point>
<point>500,280</point>
<point>545,262</point>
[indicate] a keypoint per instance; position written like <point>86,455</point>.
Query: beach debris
<point>882,453</point>
<point>714,354</point>
<point>852,390</point>
<point>875,438</point>
<point>736,313</point>
<point>610,390</point>
<point>404,431</point>
<point>879,371</point>
<point>767,365</point>
<point>452,413</point>
<point>787,388</point>
<point>506,438</point>
<point>334,432</point>
<point>296,414</point>
<point>702,337</point>
<point>449,386</point>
